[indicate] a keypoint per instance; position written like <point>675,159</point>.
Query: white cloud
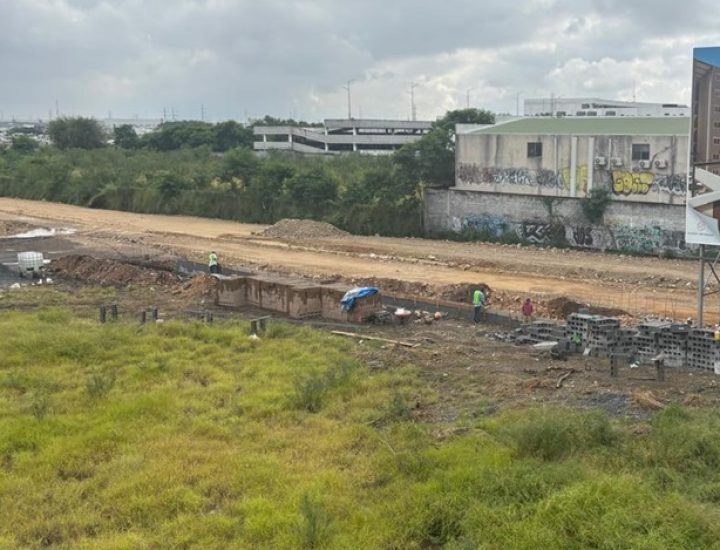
<point>285,57</point>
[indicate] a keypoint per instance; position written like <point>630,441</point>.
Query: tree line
<point>204,169</point>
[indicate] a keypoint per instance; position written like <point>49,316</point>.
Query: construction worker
<point>527,310</point>
<point>478,303</point>
<point>213,263</point>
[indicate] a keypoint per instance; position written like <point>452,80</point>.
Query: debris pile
<point>290,228</point>
<point>109,272</point>
<point>200,286</point>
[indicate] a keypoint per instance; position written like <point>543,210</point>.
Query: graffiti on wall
<point>534,231</point>
<point>581,178</point>
<point>472,173</point>
<point>641,183</point>
<point>580,236</point>
<point>492,226</point>
<point>647,239</point>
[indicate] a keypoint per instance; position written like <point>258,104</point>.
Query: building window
<point>716,108</point>
<point>592,113</point>
<point>640,151</point>
<point>610,113</point>
<point>716,141</point>
<point>585,106</point>
<point>534,149</point>
<point>716,124</point>
<point>580,113</point>
<point>716,157</point>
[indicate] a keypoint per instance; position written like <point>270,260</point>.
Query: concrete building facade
<point>597,107</point>
<point>342,136</point>
<point>527,179</point>
<point>639,159</point>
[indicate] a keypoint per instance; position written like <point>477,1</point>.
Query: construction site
<point>608,331</point>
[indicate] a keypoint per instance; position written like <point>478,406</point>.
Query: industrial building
<point>596,107</point>
<point>528,177</point>
<point>342,136</point>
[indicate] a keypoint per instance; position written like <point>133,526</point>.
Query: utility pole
<point>517,104</point>
<point>347,87</point>
<point>413,85</point>
<point>467,97</point>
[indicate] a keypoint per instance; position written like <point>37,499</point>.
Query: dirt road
<point>638,285</point>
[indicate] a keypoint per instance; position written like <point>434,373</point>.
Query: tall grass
<point>196,436</point>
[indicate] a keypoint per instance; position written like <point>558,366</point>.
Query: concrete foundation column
<point>590,163</point>
<point>573,166</point>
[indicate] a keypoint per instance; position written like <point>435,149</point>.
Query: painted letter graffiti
<point>641,183</point>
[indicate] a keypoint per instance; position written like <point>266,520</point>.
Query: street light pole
<point>413,85</point>
<point>467,97</point>
<point>347,87</point>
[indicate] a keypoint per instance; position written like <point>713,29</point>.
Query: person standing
<point>527,310</point>
<point>478,303</point>
<point>213,263</point>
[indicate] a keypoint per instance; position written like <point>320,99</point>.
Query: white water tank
<point>29,262</point>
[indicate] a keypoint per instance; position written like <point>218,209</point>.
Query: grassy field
<point>181,435</point>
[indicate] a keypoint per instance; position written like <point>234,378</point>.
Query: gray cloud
<point>283,57</point>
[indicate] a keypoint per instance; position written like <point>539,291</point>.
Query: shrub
<point>595,203</point>
<point>99,384</point>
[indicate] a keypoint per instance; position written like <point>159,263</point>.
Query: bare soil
<point>637,285</point>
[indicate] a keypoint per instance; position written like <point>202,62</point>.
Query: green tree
<point>176,135</point>
<point>76,133</point>
<point>24,144</point>
<point>230,134</point>
<point>313,191</point>
<point>431,160</point>
<point>239,167</point>
<point>125,137</point>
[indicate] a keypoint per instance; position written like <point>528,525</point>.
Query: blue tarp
<point>348,301</point>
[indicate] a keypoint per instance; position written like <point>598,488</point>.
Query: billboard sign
<point>702,221</point>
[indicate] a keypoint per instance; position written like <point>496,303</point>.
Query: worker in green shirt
<point>478,303</point>
<point>213,263</point>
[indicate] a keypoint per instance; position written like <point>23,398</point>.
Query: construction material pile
<point>109,272</point>
<point>302,229</point>
<point>200,286</point>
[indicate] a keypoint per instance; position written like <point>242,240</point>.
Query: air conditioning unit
<point>662,164</point>
<point>645,164</point>
<point>600,161</point>
<point>616,161</point>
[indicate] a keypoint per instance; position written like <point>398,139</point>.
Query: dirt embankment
<point>292,229</point>
<point>109,272</point>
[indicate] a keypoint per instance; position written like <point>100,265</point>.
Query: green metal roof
<point>594,126</point>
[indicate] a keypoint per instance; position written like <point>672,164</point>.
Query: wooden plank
<point>375,338</point>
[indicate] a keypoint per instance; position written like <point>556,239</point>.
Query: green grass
<point>193,436</point>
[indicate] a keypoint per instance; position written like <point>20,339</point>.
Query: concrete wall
<point>569,167</point>
<point>293,297</point>
<point>630,226</point>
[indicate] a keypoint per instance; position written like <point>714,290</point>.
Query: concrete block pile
<point>679,345</point>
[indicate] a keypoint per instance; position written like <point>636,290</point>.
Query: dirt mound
<point>561,307</point>
<point>200,286</point>
<point>302,229</point>
<point>10,227</point>
<point>109,272</point>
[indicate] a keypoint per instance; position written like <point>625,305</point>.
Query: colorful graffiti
<point>472,173</point>
<point>641,183</point>
<point>647,239</point>
<point>581,178</point>
<point>492,226</point>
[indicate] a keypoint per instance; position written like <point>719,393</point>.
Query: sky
<point>240,59</point>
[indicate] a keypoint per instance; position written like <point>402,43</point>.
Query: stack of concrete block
<point>703,352</point>
<point>603,335</point>
<point>539,331</point>
<point>626,342</point>
<point>648,337</point>
<point>577,323</point>
<point>673,344</point>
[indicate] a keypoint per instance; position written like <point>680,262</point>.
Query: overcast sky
<point>246,58</point>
